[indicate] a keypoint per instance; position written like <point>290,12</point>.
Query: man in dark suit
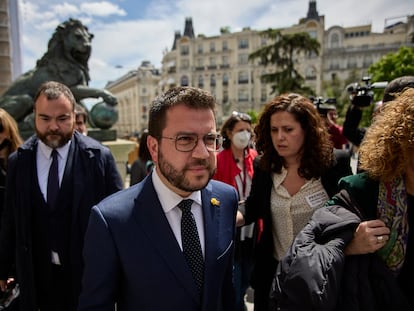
<point>47,213</point>
<point>136,252</point>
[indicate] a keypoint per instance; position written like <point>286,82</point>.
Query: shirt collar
<point>168,198</point>
<point>47,151</point>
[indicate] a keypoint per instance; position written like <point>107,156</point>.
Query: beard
<point>60,139</point>
<point>178,178</point>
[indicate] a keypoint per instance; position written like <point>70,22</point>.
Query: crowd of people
<point>272,205</point>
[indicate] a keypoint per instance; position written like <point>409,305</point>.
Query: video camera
<point>324,105</point>
<point>362,95</point>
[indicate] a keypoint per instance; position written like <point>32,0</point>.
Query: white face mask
<point>241,139</point>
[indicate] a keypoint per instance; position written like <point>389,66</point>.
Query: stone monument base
<point>102,135</point>
<point>120,149</point>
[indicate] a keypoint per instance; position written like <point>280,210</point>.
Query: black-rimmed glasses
<point>188,142</point>
<point>241,115</point>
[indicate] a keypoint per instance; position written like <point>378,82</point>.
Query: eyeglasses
<point>241,115</point>
<point>188,142</point>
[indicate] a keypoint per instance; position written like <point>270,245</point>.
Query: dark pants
<point>59,297</point>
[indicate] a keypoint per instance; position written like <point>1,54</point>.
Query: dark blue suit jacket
<point>132,257</point>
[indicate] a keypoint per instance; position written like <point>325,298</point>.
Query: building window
<point>243,59</point>
<point>212,80</point>
<point>225,79</point>
<point>243,77</point>
<point>184,81</point>
<point>225,46</point>
<point>185,50</point>
<point>212,47</point>
<point>243,96</point>
<point>243,44</point>
<point>200,49</point>
<point>225,96</point>
<point>310,73</point>
<point>200,81</point>
<point>334,41</point>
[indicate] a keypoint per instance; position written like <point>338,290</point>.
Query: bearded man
<point>53,181</point>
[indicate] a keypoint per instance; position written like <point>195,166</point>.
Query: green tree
<point>393,65</point>
<point>282,52</point>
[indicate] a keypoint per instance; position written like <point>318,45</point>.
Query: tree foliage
<point>393,65</point>
<point>283,52</point>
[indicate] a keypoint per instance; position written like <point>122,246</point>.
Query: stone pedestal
<point>120,149</point>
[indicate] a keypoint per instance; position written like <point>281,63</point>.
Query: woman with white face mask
<point>235,167</point>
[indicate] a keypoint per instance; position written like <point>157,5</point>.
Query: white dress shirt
<point>169,201</point>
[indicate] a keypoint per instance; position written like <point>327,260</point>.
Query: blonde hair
<point>10,129</point>
<point>389,142</point>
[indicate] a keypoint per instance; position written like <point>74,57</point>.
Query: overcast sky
<point>127,32</point>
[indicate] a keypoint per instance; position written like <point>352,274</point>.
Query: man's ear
<point>152,144</point>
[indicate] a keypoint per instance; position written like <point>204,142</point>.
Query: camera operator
<point>362,97</point>
<point>327,111</point>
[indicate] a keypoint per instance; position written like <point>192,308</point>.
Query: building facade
<point>135,92</point>
<point>220,63</point>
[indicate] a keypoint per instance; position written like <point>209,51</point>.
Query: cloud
<point>103,8</point>
<point>65,9</point>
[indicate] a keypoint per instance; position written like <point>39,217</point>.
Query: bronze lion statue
<point>65,61</point>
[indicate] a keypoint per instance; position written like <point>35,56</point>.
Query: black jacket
<point>95,177</point>
<point>315,275</point>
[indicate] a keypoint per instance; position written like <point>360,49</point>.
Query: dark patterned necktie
<point>191,243</point>
<point>53,180</point>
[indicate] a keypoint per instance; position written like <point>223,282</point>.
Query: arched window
<point>334,40</point>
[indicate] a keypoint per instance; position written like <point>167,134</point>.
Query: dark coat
<point>258,207</point>
<point>316,275</point>
<point>96,177</point>
<point>308,277</point>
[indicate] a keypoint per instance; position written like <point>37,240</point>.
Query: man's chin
<point>54,142</point>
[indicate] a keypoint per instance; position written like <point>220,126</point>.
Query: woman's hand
<point>369,237</point>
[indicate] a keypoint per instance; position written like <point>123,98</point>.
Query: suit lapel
<point>150,216</point>
<point>211,215</point>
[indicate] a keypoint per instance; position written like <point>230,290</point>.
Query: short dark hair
<point>52,90</point>
<point>81,111</point>
<point>189,96</point>
<point>396,87</point>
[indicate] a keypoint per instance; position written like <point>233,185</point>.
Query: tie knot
<point>54,154</point>
<point>185,205</point>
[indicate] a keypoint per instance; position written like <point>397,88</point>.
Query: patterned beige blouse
<point>291,213</point>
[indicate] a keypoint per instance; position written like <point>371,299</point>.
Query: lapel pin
<point>215,202</point>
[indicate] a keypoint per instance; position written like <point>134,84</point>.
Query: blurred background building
<point>10,53</point>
